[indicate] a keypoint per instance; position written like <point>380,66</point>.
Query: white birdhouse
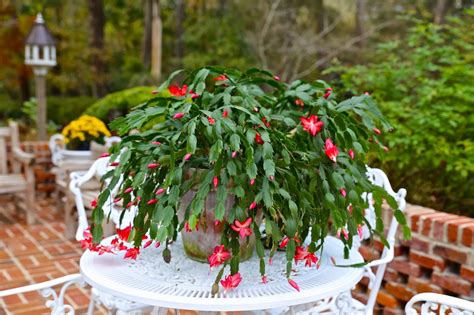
<point>40,49</point>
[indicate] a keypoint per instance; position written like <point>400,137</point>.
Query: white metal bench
<point>438,304</point>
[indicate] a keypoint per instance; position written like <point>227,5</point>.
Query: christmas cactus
<point>290,157</point>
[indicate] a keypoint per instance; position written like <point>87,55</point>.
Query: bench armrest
<point>23,157</point>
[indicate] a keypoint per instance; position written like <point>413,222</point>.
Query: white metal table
<point>186,284</point>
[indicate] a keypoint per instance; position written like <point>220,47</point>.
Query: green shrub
<point>9,108</point>
<point>424,85</point>
<point>64,109</point>
<point>119,103</point>
<point>61,109</point>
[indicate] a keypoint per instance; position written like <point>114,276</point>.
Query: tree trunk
<point>180,12</point>
<point>440,11</point>
<point>97,23</point>
<point>361,20</point>
<point>146,48</point>
<point>156,40</point>
<point>319,6</point>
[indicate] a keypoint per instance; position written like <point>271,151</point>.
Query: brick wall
<point>43,166</point>
<point>439,258</point>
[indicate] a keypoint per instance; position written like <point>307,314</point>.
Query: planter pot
<point>79,146</point>
<point>199,244</point>
<point>76,155</point>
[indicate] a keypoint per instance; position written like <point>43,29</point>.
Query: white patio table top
<point>186,284</point>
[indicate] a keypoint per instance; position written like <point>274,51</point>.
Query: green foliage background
<point>424,85</point>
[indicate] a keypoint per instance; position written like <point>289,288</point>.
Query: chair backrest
<point>56,303</point>
<point>379,178</point>
<point>56,145</point>
<point>433,303</point>
<point>9,133</point>
<point>77,179</point>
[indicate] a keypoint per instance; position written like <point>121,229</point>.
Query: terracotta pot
<point>200,244</point>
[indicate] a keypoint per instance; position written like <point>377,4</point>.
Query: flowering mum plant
<point>289,153</point>
<point>83,130</point>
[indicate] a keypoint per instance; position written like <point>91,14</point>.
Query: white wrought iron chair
<point>344,303</point>
<point>67,161</point>
<point>97,170</point>
<point>56,303</point>
<point>439,304</point>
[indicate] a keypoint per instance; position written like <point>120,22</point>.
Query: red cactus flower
<point>178,115</point>
<point>294,285</point>
<point>114,164</point>
<point>311,124</point>
<point>331,150</point>
<point>242,227</point>
<point>159,191</point>
<point>222,77</point>
<point>234,154</point>
<point>187,227</point>
<point>360,231</point>
<point>215,181</point>
<point>225,114</point>
<point>153,165</point>
<point>211,120</point>
<point>132,253</point>
<point>303,254</point>
<point>231,281</point>
<point>351,153</point>
<point>252,181</point>
<point>253,205</point>
<point>187,156</point>
<point>377,131</point>
<point>277,78</point>
<point>94,203</point>
<point>104,155</point>
<point>156,142</point>
<point>343,192</point>
<point>152,201</point>
<point>299,102</point>
<point>128,190</point>
<point>258,138</point>
<point>175,90</point>
<point>123,234</point>
<point>219,256</point>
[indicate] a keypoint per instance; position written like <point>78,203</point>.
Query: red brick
<point>386,299</point>
<point>427,261</point>
<point>360,296</point>
<point>467,273</point>
<point>452,253</point>
<point>451,282</point>
<point>467,238</point>
<point>402,265</point>
<point>428,222</point>
<point>423,285</point>
<point>391,275</point>
<point>12,300</point>
<point>368,253</point>
<point>452,230</point>
<point>392,311</point>
<point>440,226</point>
<point>415,219</point>
<point>419,244</point>
<point>400,291</point>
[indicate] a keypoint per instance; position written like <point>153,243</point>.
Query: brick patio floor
<point>36,253</point>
